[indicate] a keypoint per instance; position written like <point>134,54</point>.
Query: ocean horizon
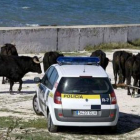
<point>14,13</point>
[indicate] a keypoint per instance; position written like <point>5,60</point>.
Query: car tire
<point>51,127</point>
<point>35,106</point>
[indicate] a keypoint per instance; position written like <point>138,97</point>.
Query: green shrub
<point>110,46</point>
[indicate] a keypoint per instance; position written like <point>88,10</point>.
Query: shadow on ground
<point>126,124</point>
<point>17,92</point>
<point>29,82</point>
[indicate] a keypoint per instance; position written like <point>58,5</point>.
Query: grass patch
<point>6,121</point>
<point>135,42</point>
<point>38,136</point>
<point>105,47</point>
<point>75,53</point>
<point>110,46</point>
<point>36,123</point>
<point>16,128</point>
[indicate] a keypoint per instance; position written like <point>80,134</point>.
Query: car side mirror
<point>37,80</point>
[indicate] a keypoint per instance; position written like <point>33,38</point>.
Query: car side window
<point>50,78</point>
<point>45,80</point>
<point>53,77</point>
<point>49,72</point>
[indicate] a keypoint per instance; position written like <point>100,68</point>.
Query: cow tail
<point>113,63</point>
<point>133,61</point>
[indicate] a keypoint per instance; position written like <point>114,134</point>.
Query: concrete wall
<point>66,38</point>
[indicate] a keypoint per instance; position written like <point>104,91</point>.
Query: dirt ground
<point>20,106</point>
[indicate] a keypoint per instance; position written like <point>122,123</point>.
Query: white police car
<point>76,92</point>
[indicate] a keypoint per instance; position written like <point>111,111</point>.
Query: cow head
<point>36,65</point>
<point>9,49</point>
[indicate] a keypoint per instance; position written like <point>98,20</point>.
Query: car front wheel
<point>35,106</point>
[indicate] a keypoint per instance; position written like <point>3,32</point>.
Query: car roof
<point>80,70</point>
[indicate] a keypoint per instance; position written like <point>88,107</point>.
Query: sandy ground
<point>20,105</point>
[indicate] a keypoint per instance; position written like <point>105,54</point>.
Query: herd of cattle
<point>14,67</point>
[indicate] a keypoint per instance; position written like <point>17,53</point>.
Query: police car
<point>76,92</point>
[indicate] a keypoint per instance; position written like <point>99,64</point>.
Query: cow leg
<point>115,76</point>
<point>20,85</point>
<point>139,87</point>
<point>120,77</point>
<point>128,82</point>
<point>123,77</point>
<point>134,84</point>
<point>11,86</point>
<point>7,80</point>
<point>3,82</point>
<point>116,71</point>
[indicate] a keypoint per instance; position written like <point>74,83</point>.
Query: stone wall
<point>66,38</point>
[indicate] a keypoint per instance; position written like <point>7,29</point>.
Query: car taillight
<point>57,98</point>
<point>113,98</point>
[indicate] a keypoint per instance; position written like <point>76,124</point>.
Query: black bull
<point>15,67</point>
<point>102,56</point>
<point>50,58</point>
<point>119,60</point>
<point>8,49</point>
<point>132,67</point>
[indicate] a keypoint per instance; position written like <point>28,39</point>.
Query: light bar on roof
<point>78,60</point>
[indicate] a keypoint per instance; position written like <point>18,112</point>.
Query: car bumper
<point>86,121</point>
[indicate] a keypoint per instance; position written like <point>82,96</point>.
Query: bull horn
<point>13,43</point>
<point>37,62</point>
<point>40,59</point>
<point>2,45</point>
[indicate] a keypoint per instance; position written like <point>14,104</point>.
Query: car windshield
<point>85,85</point>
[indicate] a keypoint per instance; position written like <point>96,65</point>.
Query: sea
<point>19,13</point>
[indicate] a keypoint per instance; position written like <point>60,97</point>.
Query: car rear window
<point>84,85</point>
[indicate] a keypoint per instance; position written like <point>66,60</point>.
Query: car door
<point>47,85</point>
<point>44,88</point>
<point>50,89</point>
